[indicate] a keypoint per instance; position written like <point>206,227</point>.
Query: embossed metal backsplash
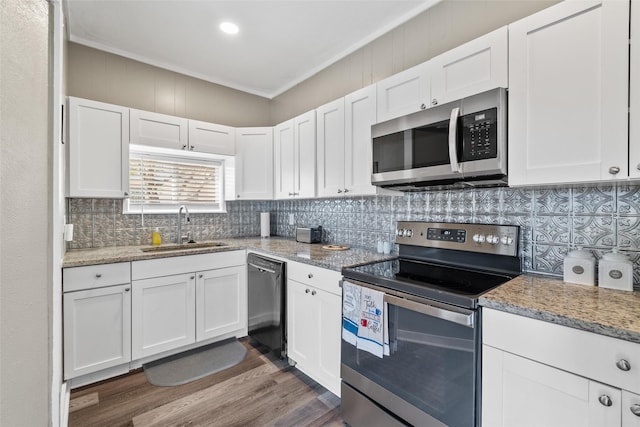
<point>552,220</point>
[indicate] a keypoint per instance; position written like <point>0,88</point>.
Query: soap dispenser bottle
<point>156,238</point>
<point>580,267</point>
<point>615,271</point>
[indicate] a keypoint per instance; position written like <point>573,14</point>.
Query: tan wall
<point>25,176</point>
<point>102,76</point>
<point>446,25</point>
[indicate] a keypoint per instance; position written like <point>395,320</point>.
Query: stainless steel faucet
<point>180,239</point>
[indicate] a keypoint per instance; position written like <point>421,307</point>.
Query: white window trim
<point>228,163</point>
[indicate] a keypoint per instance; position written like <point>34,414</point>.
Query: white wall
<point>25,265</point>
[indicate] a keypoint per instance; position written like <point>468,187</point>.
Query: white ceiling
<point>280,43</point>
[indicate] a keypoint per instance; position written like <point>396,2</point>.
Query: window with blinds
<point>160,182</point>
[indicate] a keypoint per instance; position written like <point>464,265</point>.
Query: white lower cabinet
<point>314,314</point>
<point>535,373</point>
<point>97,329</point>
<point>163,314</point>
<point>221,302</point>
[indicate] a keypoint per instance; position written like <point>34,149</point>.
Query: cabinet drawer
<point>584,353</point>
<point>95,276</point>
<point>321,278</point>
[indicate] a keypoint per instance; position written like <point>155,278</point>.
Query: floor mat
<point>194,364</point>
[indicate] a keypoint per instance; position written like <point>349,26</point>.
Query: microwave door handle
<point>453,140</point>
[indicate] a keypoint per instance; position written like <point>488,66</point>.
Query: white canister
<point>580,267</point>
<point>615,271</point>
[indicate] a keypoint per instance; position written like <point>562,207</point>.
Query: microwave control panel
<point>480,135</point>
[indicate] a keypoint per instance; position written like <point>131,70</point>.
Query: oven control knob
<point>408,233</point>
<point>506,240</point>
<point>400,232</point>
<point>478,238</point>
<point>493,240</point>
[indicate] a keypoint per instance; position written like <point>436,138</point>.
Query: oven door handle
<point>464,319</point>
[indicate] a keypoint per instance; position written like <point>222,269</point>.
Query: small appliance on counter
<point>580,267</point>
<point>615,271</point>
<point>309,235</point>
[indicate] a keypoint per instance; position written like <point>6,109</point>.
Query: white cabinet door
<point>254,163</point>
<point>98,149</point>
<point>163,314</point>
<point>634,93</point>
<point>568,90</point>
<point>284,164</point>
<point>212,138</point>
<point>221,302</point>
<point>404,93</point>
<point>630,409</point>
<point>360,115</point>
<point>305,155</point>
<point>474,67</point>
<point>329,325</point>
<point>97,329</point>
<point>158,130</point>
<point>302,338</point>
<point>331,148</point>
<point>520,392</point>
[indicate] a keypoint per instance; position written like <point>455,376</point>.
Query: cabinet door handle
<point>192,147</point>
<point>434,101</point>
<point>201,276</point>
<point>614,170</point>
<point>313,292</point>
<point>346,190</point>
<point>291,194</point>
<point>635,409</point>
<point>98,275</point>
<point>310,276</point>
<point>423,107</point>
<point>127,289</point>
<point>623,365</point>
<point>184,146</point>
<point>192,277</point>
<point>339,191</point>
<point>306,291</point>
<point>126,194</point>
<point>638,166</point>
<point>605,400</point>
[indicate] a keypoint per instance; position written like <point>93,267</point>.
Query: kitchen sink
<point>184,246</point>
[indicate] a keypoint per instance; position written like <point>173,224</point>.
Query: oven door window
<point>431,365</point>
<point>431,145</point>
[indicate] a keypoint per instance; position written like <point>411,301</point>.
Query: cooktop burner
<point>451,263</point>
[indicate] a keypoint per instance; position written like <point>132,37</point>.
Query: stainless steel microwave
<point>460,143</point>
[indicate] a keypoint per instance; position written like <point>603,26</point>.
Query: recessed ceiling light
<point>229,28</point>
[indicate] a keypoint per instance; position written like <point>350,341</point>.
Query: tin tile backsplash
<point>552,220</point>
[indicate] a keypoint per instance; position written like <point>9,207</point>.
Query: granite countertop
<point>590,308</point>
<point>285,248</point>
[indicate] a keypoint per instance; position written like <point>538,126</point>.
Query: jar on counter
<point>615,271</point>
<point>580,267</point>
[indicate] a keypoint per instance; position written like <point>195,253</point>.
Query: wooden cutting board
<point>335,247</point>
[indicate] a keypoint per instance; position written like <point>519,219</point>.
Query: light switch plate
<point>292,219</point>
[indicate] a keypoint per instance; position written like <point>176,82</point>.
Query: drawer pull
<point>306,291</point>
<point>310,276</point>
<point>127,289</point>
<point>635,409</point>
<point>313,292</point>
<point>605,400</point>
<point>623,365</point>
<point>201,276</point>
<point>192,277</point>
<point>98,276</point>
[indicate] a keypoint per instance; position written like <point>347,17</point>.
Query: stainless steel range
<point>431,376</point>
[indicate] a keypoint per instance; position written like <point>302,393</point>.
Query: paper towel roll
<point>265,225</point>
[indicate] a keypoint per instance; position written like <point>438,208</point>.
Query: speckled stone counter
<point>281,247</point>
<point>590,308</point>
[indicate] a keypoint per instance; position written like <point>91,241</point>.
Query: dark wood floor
<point>260,391</point>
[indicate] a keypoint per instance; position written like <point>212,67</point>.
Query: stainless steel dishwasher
<point>267,299</point>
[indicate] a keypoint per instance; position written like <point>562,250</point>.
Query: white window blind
<point>160,182</point>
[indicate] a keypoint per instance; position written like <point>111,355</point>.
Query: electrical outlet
<point>292,219</point>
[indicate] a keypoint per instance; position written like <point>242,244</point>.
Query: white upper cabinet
<point>568,94</point>
<point>98,149</point>
<point>634,92</point>
<point>404,93</point>
<point>474,67</point>
<point>360,114</point>
<point>331,148</point>
<point>254,163</point>
<point>158,130</point>
<point>212,138</point>
<point>295,157</point>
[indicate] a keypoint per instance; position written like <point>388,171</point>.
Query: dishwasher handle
<point>267,270</point>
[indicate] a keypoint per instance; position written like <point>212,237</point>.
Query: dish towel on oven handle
<point>372,322</point>
<point>350,311</point>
